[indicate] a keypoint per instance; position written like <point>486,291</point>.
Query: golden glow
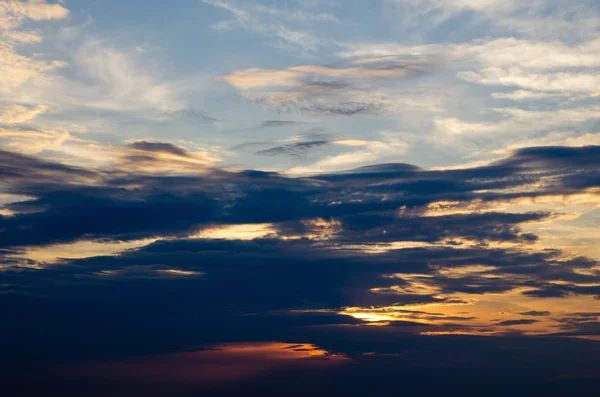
<point>6,212</point>
<point>214,365</point>
<point>137,160</point>
<point>465,333</point>
<point>491,314</point>
<point>459,272</point>
<point>275,350</point>
<point>82,249</point>
<point>183,273</point>
<point>9,199</point>
<point>322,229</point>
<point>145,271</point>
<point>237,232</point>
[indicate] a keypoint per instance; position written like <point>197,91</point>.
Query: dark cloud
<point>279,123</point>
<point>548,292</point>
<point>158,147</point>
<point>536,313</point>
<point>295,146</point>
<point>509,323</point>
<point>294,149</point>
<point>179,292</point>
<point>31,175</point>
<point>389,227</point>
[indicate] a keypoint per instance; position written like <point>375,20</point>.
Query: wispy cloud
<point>294,149</point>
<point>364,152</point>
<point>536,19</point>
<point>34,141</point>
<point>15,114</point>
<point>17,69</point>
<point>13,12</point>
<point>348,88</point>
<point>274,22</point>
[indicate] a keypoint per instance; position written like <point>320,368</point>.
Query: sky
<point>299,197</point>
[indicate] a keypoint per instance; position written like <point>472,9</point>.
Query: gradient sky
<point>307,197</point>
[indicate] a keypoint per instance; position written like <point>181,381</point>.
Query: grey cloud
<point>294,149</point>
<point>509,323</point>
<point>158,147</point>
<point>536,313</point>
<point>187,114</point>
<point>278,123</point>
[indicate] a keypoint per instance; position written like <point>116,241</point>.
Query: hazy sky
<point>323,186</point>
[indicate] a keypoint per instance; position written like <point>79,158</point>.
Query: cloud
<point>536,313</point>
<point>37,10</point>
<point>33,141</point>
<point>268,21</point>
<point>556,82</point>
<point>163,158</point>
<point>115,80</point>
<point>524,95</point>
<point>559,138</point>
<point>382,68</point>
<point>514,123</point>
<point>377,263</point>
<point>17,69</point>
<point>510,323</point>
<point>191,114</point>
<point>22,37</point>
<point>278,123</point>
<point>25,172</point>
<point>507,179</point>
<point>368,152</point>
<point>535,19</point>
<point>294,149</point>
<point>295,146</point>
<point>349,88</point>
<point>16,114</point>
<point>367,244</point>
<point>554,68</point>
<point>13,14</point>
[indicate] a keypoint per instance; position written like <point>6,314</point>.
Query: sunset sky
<point>299,197</point>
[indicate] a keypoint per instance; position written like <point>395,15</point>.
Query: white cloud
<point>22,36</point>
<point>16,69</point>
<point>110,79</point>
<point>563,82</point>
<point>553,67</point>
<point>528,54</point>
<point>540,66</point>
<point>297,15</point>
<point>524,95</point>
<point>37,10</point>
<point>268,21</point>
<point>540,19</point>
<point>500,52</point>
<point>516,122</point>
<point>119,82</point>
<point>33,141</point>
<point>556,138</point>
<point>14,12</point>
<point>15,114</point>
